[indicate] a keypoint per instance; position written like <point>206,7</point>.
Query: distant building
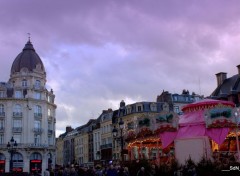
<point>177,101</point>
<point>227,88</point>
<point>27,113</point>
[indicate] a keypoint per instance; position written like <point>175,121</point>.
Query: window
<point>49,126</point>
<point>37,95</point>
<point>17,138</point>
<point>1,108</point>
<point>38,111</point>
<point>37,124</point>
<point>24,83</point>
<point>17,157</point>
<point>1,139</point>
<point>37,84</point>
<point>1,124</point>
<point>49,112</point>
<point>153,107</point>
<point>139,108</point>
<point>37,138</point>
<point>17,108</point>
<point>17,123</point>
<point>176,109</point>
<point>49,140</point>
<point>1,94</point>
<point>18,94</point>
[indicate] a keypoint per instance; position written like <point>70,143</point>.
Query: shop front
<point>36,163</point>
<point>2,163</point>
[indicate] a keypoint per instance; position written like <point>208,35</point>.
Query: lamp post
<point>236,114</point>
<point>11,149</point>
<point>115,135</point>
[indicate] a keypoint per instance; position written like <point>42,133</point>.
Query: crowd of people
<point>89,171</point>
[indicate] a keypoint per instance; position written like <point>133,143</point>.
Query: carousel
<point>143,137</point>
<point>208,129</point>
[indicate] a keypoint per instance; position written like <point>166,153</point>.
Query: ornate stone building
<point>27,113</point>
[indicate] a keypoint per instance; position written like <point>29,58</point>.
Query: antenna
<point>199,85</point>
<point>29,36</point>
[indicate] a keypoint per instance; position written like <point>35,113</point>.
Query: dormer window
<point>139,108</point>
<point>153,107</point>
<point>24,83</point>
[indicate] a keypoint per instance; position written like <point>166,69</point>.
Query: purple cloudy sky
<point>97,53</point>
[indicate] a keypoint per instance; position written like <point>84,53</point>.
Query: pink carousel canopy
<point>192,123</point>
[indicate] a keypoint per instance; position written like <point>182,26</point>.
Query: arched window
<point>24,83</point>
<point>17,157</point>
<point>36,156</point>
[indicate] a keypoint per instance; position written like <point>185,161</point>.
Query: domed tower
<point>28,69</point>
<point>27,114</point>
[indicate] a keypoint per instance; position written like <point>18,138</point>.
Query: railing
<point>106,146</point>
<point>38,115</point>
<point>2,114</point>
<point>38,145</point>
<point>37,130</point>
<point>17,114</point>
<point>17,129</point>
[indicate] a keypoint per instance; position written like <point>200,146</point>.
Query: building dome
<point>29,59</point>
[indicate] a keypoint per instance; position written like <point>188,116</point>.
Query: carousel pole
<point>237,116</point>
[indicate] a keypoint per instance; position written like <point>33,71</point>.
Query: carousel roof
<point>204,104</point>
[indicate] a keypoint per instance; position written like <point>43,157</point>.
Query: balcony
<point>106,146</point>
<point>17,114</point>
<point>17,129</point>
<point>37,130</point>
<point>50,131</point>
<point>38,115</point>
<point>2,114</point>
<point>1,129</point>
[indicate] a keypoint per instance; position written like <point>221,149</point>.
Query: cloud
<point>98,53</point>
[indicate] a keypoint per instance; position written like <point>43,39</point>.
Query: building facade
<point>27,113</point>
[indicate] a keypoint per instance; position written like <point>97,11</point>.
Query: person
<point>141,172</point>
<point>98,171</point>
<point>126,172</point>
<point>46,172</point>
<point>153,171</point>
<point>111,171</point>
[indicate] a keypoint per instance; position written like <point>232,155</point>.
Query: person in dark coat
<point>111,171</point>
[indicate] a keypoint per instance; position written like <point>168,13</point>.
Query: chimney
<point>238,66</point>
<point>221,77</point>
<point>68,129</point>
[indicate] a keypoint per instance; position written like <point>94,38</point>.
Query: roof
<point>229,86</point>
<point>28,58</point>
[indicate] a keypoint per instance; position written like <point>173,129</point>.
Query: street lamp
<point>11,149</point>
<point>115,134</point>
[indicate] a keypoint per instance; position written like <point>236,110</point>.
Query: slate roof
<point>28,58</point>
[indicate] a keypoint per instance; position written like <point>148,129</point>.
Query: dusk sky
<point>99,52</point>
